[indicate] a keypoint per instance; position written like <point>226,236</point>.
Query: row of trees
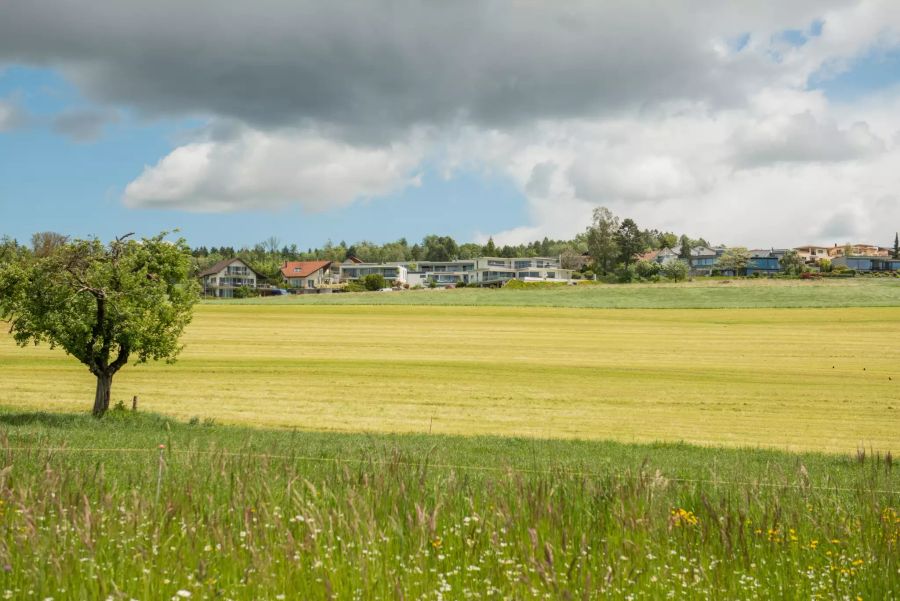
<point>615,244</point>
<point>267,257</point>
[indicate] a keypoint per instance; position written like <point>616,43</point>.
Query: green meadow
<point>703,441</point>
<point>95,510</point>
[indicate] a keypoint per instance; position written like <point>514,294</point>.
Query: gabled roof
<point>302,269</point>
<point>217,267</point>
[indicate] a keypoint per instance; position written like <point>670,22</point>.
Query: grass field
<point>798,379</point>
<point>704,293</point>
<point>92,510</point>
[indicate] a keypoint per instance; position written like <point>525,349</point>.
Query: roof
<point>217,267</point>
<point>302,269</point>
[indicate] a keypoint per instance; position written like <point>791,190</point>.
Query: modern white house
<point>487,271</point>
<point>221,279</point>
<point>392,272</point>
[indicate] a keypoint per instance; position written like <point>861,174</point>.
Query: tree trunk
<point>101,399</point>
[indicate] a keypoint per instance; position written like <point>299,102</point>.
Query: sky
<point>756,122</point>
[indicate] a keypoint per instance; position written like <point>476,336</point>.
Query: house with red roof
<point>307,275</point>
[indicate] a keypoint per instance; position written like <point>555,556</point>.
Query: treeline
<point>605,246</point>
<point>268,256</point>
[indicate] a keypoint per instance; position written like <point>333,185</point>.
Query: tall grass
<point>244,514</point>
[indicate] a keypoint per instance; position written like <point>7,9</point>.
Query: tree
<point>646,269</point>
<point>686,246</point>
<point>490,249</point>
<point>440,248</point>
<point>676,270</point>
<point>103,304</point>
<point>792,263</point>
<point>735,260</point>
<point>601,239</point>
<point>374,281</point>
<point>896,254</point>
<point>630,240</point>
<point>570,259</point>
<point>44,244</point>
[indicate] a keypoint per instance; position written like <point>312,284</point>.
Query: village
<point>234,277</point>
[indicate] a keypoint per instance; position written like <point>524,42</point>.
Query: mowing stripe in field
<point>811,379</point>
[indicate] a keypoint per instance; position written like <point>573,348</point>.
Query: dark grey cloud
<point>370,68</point>
<point>83,125</point>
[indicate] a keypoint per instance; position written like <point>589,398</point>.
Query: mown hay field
<point>797,379</point>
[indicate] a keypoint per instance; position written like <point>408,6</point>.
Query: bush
<point>355,286</point>
<point>461,284</point>
<point>374,281</point>
<point>588,274</point>
<point>625,274</point>
<point>646,269</point>
<point>677,270</point>
<point>245,292</point>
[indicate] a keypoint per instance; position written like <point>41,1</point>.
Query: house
<point>307,275</point>
<point>491,271</point>
<point>662,256</point>
<point>867,263</point>
<point>221,280</point>
<point>859,250</point>
<point>811,253</point>
<point>703,259</point>
<point>392,272</point>
<point>764,262</point>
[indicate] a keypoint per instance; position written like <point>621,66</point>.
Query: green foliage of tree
<point>646,269</point>
<point>734,259</point>
<point>825,265</point>
<point>245,292</point>
<point>489,249</point>
<point>374,281</point>
<point>896,253</point>
<point>440,248</point>
<point>470,250</point>
<point>625,273</point>
<point>685,251</point>
<point>631,241</point>
<point>103,304</point>
<point>792,263</point>
<point>602,241</point>
<point>676,270</point>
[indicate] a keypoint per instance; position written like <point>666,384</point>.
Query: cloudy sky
<point>762,123</point>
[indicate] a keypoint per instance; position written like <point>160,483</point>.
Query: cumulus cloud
<point>693,115</point>
<point>83,125</point>
<point>255,169</point>
<point>800,138</point>
<point>368,69</point>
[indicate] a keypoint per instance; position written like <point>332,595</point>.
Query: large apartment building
<point>487,271</point>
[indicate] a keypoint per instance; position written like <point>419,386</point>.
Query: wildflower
<point>683,517</point>
<point>183,593</point>
<point>436,543</point>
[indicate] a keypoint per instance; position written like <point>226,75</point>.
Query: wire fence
<point>451,466</point>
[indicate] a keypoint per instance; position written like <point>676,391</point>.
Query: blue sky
<point>327,130</point>
<point>50,182</point>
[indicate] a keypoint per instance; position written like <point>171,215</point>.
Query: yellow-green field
<point>813,379</point>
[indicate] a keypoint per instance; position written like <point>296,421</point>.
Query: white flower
<point>183,594</point>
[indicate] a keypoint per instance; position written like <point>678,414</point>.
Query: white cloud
<point>258,169</point>
<point>651,108</point>
<point>12,115</point>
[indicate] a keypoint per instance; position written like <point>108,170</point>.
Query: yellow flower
<point>436,543</point>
